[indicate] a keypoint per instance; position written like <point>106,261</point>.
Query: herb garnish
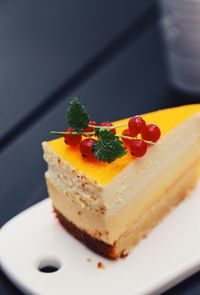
<point>105,145</point>
<point>108,148</point>
<point>77,116</point>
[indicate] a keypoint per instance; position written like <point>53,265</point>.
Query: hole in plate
<point>49,265</point>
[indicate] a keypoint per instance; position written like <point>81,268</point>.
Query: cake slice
<point>110,207</point>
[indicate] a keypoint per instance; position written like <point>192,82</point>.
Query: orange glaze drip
<point>103,173</point>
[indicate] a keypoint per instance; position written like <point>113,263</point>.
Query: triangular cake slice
<point>111,207</point>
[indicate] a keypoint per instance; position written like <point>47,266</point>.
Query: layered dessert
<point>111,205</point>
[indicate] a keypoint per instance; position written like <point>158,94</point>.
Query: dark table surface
<point>108,53</point>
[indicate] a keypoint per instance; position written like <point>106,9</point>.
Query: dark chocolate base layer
<point>94,244</point>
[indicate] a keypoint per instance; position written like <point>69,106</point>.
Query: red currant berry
<point>72,139</point>
<point>127,132</point>
<point>86,148</point>
<point>138,148</point>
<point>107,123</point>
<point>90,129</point>
<point>136,125</point>
<point>151,132</point>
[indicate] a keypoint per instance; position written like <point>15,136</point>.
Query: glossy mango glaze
<point>103,173</point>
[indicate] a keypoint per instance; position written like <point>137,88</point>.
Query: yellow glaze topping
<point>103,173</point>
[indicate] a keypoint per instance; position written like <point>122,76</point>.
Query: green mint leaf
<point>108,147</point>
<point>77,116</point>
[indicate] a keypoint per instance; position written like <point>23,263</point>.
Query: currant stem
<point>93,133</point>
<point>135,138</point>
<point>107,127</point>
<point>73,133</point>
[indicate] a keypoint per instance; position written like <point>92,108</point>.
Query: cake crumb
<point>89,260</point>
<point>79,212</point>
<point>123,255</point>
<point>100,265</point>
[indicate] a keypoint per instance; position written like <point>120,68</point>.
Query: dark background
<point>108,53</point>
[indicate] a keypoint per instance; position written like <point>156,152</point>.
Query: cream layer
<point>108,228</point>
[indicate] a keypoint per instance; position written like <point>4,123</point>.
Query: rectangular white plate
<point>169,254</point>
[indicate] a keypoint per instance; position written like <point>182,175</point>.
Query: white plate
<point>169,254</point>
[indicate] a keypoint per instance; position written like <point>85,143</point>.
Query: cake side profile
<point>111,206</point>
